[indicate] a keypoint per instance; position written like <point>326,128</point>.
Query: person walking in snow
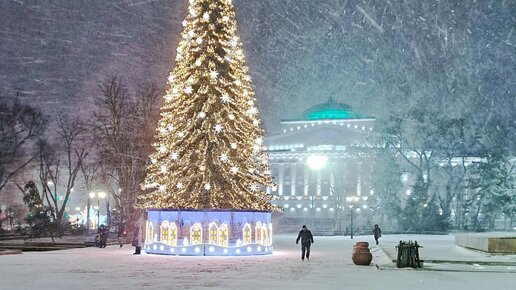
<point>377,233</point>
<point>305,235</point>
<point>121,235</point>
<point>103,235</point>
<point>137,239</point>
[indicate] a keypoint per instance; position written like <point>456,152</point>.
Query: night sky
<point>54,53</point>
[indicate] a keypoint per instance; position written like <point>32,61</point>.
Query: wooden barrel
<point>361,254</point>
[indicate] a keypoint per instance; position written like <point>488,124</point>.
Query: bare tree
<point>60,163</point>
<point>20,127</point>
<point>123,132</point>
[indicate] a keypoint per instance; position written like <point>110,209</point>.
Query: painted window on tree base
<point>172,234</point>
<point>223,235</point>
<point>258,233</point>
<point>164,232</point>
<point>150,233</point>
<point>213,233</point>
<point>196,234</point>
<point>264,235</point>
<point>246,234</point>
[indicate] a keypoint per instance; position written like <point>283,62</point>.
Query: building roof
<point>331,110</point>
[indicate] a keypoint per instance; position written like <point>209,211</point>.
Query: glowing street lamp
<point>317,162</point>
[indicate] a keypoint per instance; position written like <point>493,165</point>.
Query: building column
<point>306,178</point>
<point>293,179</point>
<point>319,181</point>
<point>359,185</point>
<point>268,188</point>
<point>280,176</point>
<point>332,181</point>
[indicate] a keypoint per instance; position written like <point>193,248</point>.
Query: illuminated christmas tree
<point>209,151</point>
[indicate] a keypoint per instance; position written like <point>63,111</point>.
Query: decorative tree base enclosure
<point>208,232</point>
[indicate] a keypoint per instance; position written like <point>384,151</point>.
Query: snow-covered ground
<point>330,267</point>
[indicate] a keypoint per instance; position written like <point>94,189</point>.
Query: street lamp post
<point>352,200</point>
<point>97,195</point>
<point>315,162</point>
<point>88,215</point>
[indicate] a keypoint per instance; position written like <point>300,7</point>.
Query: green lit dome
<point>331,110</point>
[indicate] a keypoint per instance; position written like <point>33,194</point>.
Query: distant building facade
<point>320,159</point>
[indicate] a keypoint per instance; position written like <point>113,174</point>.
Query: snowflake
<point>174,155</point>
<point>179,185</point>
<point>223,157</point>
<point>234,169</point>
<point>188,90</point>
<point>225,98</point>
<point>207,186</point>
<point>218,128</point>
<point>214,74</point>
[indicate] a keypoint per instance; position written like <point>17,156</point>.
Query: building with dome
<point>320,160</point>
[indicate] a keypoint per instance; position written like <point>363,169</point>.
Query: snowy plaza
<point>330,267</point>
<point>258,144</point>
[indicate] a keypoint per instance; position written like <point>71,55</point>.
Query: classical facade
<point>321,164</point>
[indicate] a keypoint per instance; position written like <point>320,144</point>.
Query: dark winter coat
<point>377,232</point>
<point>305,236</point>
<point>137,238</point>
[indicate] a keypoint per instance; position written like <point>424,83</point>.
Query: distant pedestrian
<point>103,235</point>
<point>121,235</point>
<point>137,239</point>
<point>377,233</point>
<point>307,239</point>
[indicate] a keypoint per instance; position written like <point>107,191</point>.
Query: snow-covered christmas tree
<point>209,152</point>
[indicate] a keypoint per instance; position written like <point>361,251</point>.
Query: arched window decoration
<point>172,234</point>
<point>223,235</point>
<point>213,233</point>
<point>164,232</point>
<point>265,240</point>
<point>150,233</point>
<point>196,234</point>
<point>246,234</point>
<point>258,233</point>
